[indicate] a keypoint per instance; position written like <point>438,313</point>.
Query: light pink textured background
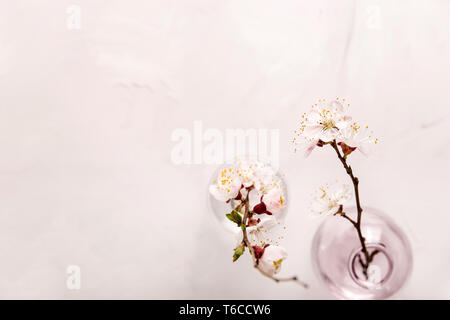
<point>86,118</point>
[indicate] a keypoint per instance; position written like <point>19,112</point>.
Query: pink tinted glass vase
<point>336,253</point>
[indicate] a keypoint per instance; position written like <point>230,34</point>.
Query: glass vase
<point>337,254</point>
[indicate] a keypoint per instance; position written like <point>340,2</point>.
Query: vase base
<point>339,261</point>
<point>379,270</point>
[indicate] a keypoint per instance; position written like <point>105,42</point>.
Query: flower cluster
<point>254,179</point>
<point>256,195</point>
<point>328,122</point>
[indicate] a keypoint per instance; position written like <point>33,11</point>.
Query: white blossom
<point>355,137</point>
<point>274,200</point>
<point>259,234</point>
<point>329,200</point>
<point>227,185</point>
<point>322,123</point>
<point>325,123</point>
<point>271,260</point>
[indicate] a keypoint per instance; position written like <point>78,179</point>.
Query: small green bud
<point>238,251</point>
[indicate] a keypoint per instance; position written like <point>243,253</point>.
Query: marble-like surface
<point>86,117</point>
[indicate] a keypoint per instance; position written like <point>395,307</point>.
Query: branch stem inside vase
<point>368,257</point>
<point>379,270</point>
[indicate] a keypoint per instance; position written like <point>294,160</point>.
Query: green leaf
<point>238,251</point>
<point>235,216</point>
<point>230,217</point>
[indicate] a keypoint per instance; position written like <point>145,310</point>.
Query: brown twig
<point>357,223</point>
<point>343,215</point>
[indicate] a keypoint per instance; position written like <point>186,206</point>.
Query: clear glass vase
<point>336,253</point>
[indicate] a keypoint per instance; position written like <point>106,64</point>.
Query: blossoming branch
<point>256,197</point>
<point>329,124</point>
